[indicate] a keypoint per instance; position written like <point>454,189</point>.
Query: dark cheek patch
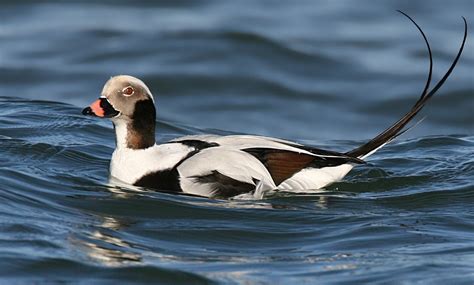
<point>141,129</point>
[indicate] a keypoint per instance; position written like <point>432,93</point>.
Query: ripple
<point>246,38</point>
<point>136,230</point>
<point>406,216</point>
<point>37,271</point>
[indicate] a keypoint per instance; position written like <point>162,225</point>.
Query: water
<point>326,74</point>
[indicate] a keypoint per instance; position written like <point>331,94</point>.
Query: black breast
<point>165,180</point>
<point>169,179</point>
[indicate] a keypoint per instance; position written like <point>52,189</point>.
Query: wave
<point>31,270</point>
<point>60,213</point>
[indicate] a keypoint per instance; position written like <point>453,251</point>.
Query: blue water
<point>329,74</point>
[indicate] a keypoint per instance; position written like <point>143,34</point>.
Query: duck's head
<point>119,99</point>
<point>128,102</point>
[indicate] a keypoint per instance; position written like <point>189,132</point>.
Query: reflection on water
<point>104,248</point>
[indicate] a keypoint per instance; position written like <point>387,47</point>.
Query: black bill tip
<point>88,111</point>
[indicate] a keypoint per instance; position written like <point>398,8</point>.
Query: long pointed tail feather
<point>398,128</point>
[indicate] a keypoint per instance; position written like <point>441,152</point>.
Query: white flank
<point>314,178</point>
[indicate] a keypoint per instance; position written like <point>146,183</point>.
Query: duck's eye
<point>128,91</point>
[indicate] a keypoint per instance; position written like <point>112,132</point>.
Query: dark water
<point>330,74</point>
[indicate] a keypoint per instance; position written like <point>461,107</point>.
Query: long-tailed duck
<point>226,166</point>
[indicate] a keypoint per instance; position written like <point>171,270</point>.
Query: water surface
<point>330,75</point>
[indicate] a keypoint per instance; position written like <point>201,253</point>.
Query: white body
<point>129,165</point>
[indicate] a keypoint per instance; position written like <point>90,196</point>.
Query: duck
<point>218,166</point>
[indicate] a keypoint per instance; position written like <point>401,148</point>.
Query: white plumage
<point>227,158</point>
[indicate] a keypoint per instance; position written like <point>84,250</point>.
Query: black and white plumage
<point>225,166</point>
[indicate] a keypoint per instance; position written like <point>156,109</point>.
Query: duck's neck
<point>137,132</point>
